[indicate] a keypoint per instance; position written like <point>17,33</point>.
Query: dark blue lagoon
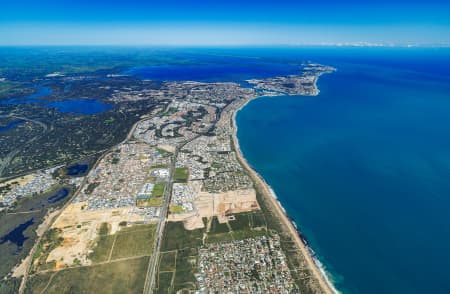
<point>16,236</point>
<point>58,195</point>
<point>73,105</point>
<point>11,125</point>
<point>364,168</point>
<point>80,106</point>
<point>78,169</point>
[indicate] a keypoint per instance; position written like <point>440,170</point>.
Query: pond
<point>16,236</point>
<point>78,169</point>
<point>58,195</point>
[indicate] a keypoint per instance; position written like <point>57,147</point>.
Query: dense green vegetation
<point>217,228</point>
<point>186,267</point>
<point>177,237</point>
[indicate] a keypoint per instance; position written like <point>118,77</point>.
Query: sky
<point>217,22</point>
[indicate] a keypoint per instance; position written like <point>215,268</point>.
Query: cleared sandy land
<point>217,204</point>
<point>168,148</point>
<point>80,229</point>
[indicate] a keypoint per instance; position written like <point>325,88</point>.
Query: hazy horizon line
<point>229,45</point>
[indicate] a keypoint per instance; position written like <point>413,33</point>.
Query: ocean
<point>364,167</point>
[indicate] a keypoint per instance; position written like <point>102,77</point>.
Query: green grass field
<point>176,209</point>
<point>102,249</point>
<point>136,241</point>
<point>180,257</point>
<point>134,244</point>
<point>158,190</point>
<point>117,277</point>
<point>181,175</point>
<point>167,261</point>
<point>155,201</point>
<point>216,238</point>
<point>164,285</point>
<point>166,271</point>
<point>128,242</point>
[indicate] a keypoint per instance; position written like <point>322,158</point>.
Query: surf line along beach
<point>273,204</point>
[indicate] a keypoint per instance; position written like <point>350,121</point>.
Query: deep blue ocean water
<point>220,68</point>
<point>364,168</point>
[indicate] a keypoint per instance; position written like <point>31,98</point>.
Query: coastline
<point>268,193</point>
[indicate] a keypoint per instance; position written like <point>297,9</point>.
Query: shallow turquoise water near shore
<point>364,169</point>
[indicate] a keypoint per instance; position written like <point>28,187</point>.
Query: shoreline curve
<point>314,264</point>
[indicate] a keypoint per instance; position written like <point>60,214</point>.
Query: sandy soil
<point>168,148</point>
<point>80,230</point>
<point>216,204</point>
<point>193,222</point>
